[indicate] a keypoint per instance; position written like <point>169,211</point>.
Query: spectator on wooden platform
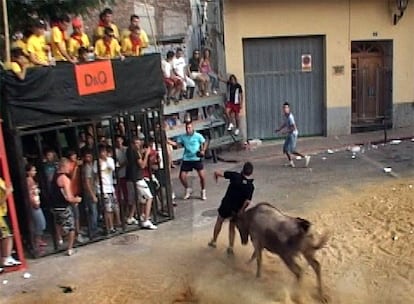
<point>196,74</point>
<point>37,47</point>
<point>105,21</point>
<point>134,22</point>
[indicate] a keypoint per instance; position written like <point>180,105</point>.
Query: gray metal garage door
<point>275,72</point>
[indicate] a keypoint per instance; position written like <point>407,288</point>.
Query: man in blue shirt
<point>194,150</point>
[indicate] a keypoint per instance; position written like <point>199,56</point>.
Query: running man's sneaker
<point>230,127</point>
<point>292,164</point>
<point>307,160</point>
<point>230,251</point>
<point>212,244</point>
<point>188,192</point>
<point>149,225</point>
<point>236,132</point>
<point>203,194</point>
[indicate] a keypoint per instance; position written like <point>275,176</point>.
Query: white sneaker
<point>292,164</point>
<point>173,196</point>
<point>236,132</point>
<point>81,239</point>
<point>307,160</point>
<point>215,92</point>
<point>149,225</point>
<point>188,193</point>
<point>60,242</point>
<point>9,261</point>
<point>203,194</point>
<point>206,94</point>
<point>230,127</point>
<point>132,221</point>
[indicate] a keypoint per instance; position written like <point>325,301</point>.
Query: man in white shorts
<point>138,189</point>
<point>180,69</point>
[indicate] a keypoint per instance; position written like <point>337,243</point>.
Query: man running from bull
<point>238,196</point>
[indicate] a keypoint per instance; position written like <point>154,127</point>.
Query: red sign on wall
<point>94,77</point>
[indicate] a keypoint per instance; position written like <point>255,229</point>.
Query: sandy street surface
<point>369,259</point>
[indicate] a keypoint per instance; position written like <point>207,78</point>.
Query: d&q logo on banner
<point>94,77</point>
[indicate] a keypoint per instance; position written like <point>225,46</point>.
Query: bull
<point>283,235</point>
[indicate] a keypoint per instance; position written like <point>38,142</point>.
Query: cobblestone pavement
<point>133,268</point>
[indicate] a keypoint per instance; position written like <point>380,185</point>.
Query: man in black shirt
<point>238,196</point>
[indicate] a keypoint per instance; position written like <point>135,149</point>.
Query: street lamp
<point>401,7</point>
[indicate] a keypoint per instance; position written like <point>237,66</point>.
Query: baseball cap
<point>39,23</point>
<point>141,136</point>
<point>76,22</point>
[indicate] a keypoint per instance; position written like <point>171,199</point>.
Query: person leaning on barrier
<point>108,47</point>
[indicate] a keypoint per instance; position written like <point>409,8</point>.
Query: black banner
<point>49,94</point>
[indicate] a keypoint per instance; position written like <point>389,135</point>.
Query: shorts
<point>225,211</point>
<point>140,192</point>
<point>4,228</point>
<point>110,203</point>
<point>290,143</point>
<point>189,165</point>
<point>194,75</point>
<point>64,218</point>
<point>233,107</point>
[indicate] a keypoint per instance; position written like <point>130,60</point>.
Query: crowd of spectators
<point>43,44</point>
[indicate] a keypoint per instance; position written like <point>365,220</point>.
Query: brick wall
<point>161,9</point>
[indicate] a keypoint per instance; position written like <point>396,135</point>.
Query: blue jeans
<point>92,214</point>
<point>39,222</point>
<point>213,80</point>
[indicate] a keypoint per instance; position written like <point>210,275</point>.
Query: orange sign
<point>94,77</point>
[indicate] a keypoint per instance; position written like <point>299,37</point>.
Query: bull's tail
<point>323,239</point>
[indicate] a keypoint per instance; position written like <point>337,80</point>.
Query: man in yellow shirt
<point>78,38</point>
<point>59,38</point>
<point>5,233</point>
<point>131,45</point>
<point>36,44</point>
<point>134,21</point>
<point>105,20</point>
<point>18,63</point>
<point>108,47</point>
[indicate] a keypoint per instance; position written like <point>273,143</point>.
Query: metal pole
<point>6,31</point>
<point>151,27</point>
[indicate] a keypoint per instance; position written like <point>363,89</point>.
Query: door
<point>371,79</point>
<point>284,69</point>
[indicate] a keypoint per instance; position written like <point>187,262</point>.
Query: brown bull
<point>281,234</point>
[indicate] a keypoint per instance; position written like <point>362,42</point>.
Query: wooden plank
<point>197,125</point>
<point>195,103</point>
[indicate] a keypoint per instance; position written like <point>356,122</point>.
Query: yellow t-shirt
<point>142,36</point>
<point>3,197</point>
<point>126,48</point>
<point>20,44</point>
<point>57,38</point>
<point>74,45</point>
<point>99,31</point>
<point>36,45</point>
<point>15,67</point>
<point>101,51</point>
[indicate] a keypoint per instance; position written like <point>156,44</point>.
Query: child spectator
<point>238,196</point>
<point>36,44</point>
<point>5,235</point>
<point>108,47</point>
<point>134,21</point>
<point>18,63</point>
<point>19,41</point>
<point>83,56</point>
<point>38,218</point>
<point>59,39</point>
<point>131,45</point>
<point>105,20</point>
<point>78,39</point>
